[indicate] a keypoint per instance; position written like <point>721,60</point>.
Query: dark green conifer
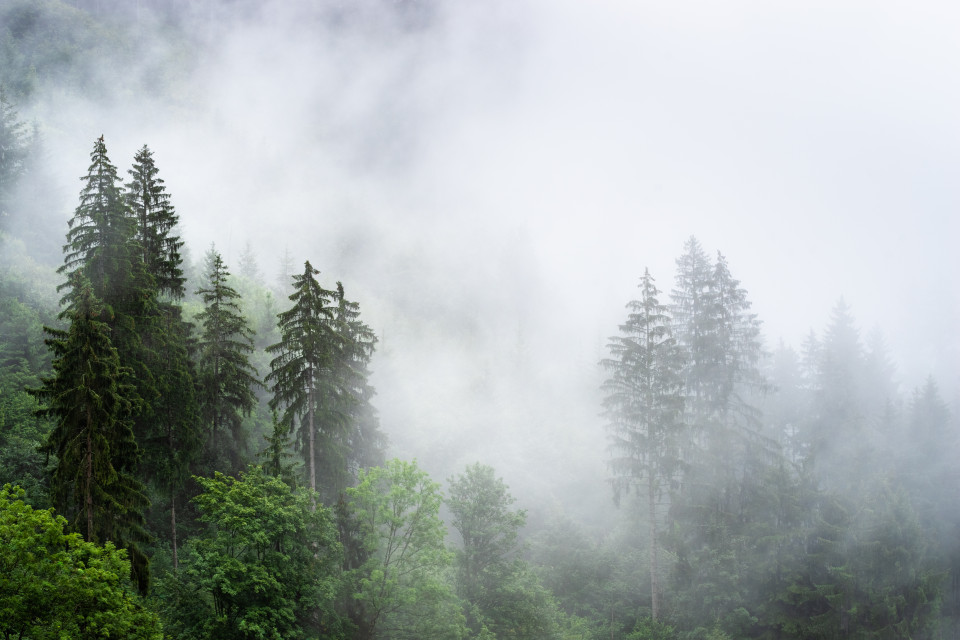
<point>156,220</point>
<point>226,378</point>
<point>306,353</point>
<point>92,402</point>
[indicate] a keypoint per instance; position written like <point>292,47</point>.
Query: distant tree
<point>644,407</point>
<point>248,264</point>
<point>692,308</point>
<point>285,271</point>
<point>399,591</point>
<point>503,595</point>
<point>227,379</point>
<point>89,398</point>
<point>301,369</point>
<point>838,426</point>
<point>14,141</point>
<point>56,585</point>
<point>723,500</point>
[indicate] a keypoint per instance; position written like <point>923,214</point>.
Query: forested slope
<point>194,450</point>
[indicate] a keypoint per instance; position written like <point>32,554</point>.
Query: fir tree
<point>226,378</point>
<point>100,238</point>
<point>644,406</point>
<point>90,398</point>
<point>350,422</point>
<point>301,370</point>
<point>155,221</point>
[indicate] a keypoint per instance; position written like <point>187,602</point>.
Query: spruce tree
<point>170,432</point>
<point>723,498</point>
<point>301,370</point>
<point>350,422</point>
<point>644,406</point>
<point>156,220</point>
<point>226,378</point>
<point>92,402</point>
<point>100,238</point>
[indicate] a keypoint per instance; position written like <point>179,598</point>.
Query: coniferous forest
<point>192,447</point>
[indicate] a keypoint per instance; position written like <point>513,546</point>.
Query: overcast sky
<point>492,184</point>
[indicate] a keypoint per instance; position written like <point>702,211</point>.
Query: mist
<point>490,181</point>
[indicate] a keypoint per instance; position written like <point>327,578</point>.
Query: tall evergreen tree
<point>100,238</point>
<point>723,498</point>
<point>644,406</point>
<point>170,432</point>
<point>89,397</point>
<point>155,222</point>
<point>353,437</point>
<point>301,370</point>
<point>692,308</point>
<point>226,378</point>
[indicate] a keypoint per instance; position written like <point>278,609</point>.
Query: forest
<point>191,448</point>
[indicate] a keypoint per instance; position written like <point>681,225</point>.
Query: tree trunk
<point>654,568</point>
<point>88,497</point>
<point>88,491</point>
<point>311,440</point>
<point>173,527</point>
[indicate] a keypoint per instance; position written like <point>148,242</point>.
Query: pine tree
<point>305,357</point>
<point>644,406</point>
<point>91,399</point>
<point>226,378</point>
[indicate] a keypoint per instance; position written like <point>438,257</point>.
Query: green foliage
<point>13,151</point>
<point>301,371</point>
<point>88,397</point>
<point>226,378</point>
<point>54,585</point>
<point>149,201</point>
<point>400,591</point>
<point>502,593</point>
<point>649,629</point>
<point>265,568</point>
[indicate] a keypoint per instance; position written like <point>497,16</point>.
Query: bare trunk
<point>173,527</point>
<point>88,492</point>
<point>654,564</point>
<point>311,439</point>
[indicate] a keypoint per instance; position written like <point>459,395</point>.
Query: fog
<point>490,180</point>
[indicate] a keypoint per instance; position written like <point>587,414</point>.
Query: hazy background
<point>489,181</point>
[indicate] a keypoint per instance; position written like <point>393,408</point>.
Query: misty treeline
<point>784,494</point>
<point>190,449</point>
